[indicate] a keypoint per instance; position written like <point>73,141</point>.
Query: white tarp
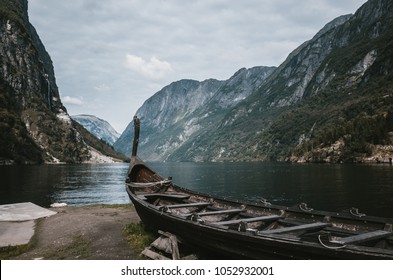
<point>25,211</point>
<point>17,222</point>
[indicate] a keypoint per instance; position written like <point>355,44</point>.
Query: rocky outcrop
<point>182,110</point>
<point>35,126</point>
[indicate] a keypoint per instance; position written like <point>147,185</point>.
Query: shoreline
<point>92,232</point>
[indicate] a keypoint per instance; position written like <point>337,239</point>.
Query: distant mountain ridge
<point>329,101</point>
<point>185,108</point>
<point>98,127</point>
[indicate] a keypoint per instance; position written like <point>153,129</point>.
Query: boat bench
<point>145,196</point>
<point>217,212</point>
<point>185,205</point>
<point>149,185</point>
<point>248,220</point>
<point>312,226</point>
<point>363,237</point>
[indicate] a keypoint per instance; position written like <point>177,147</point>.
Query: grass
<point>9,252</point>
<point>138,237</point>
<point>77,249</point>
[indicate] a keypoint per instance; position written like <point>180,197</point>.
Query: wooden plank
<point>311,226</point>
<point>147,185</point>
<point>368,236</point>
<point>164,195</point>
<point>162,244</point>
<point>153,255</point>
<point>219,212</point>
<point>185,205</point>
<point>248,220</point>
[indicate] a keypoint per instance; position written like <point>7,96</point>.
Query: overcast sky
<point>111,55</point>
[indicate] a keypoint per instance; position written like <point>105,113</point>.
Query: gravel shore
<point>88,232</point>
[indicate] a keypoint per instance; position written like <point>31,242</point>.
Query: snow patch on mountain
<point>98,127</point>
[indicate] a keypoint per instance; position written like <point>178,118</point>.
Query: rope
<point>329,247</point>
<point>355,212</point>
<point>303,207</point>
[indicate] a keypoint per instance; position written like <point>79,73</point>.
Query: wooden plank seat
<point>248,220</point>
<point>186,205</point>
<point>312,226</point>
<point>148,185</point>
<point>363,237</point>
<point>176,196</point>
<point>217,212</point>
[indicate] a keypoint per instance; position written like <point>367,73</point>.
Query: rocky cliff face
<point>329,89</point>
<point>331,100</point>
<point>179,112</point>
<point>34,124</point>
<point>98,127</point>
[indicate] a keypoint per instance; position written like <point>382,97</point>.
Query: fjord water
<point>324,187</point>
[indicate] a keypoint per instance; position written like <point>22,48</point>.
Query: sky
<point>110,56</point>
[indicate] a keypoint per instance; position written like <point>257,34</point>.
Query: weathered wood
<point>368,236</point>
<point>186,205</point>
<point>148,185</point>
<point>153,255</point>
<point>175,247</point>
<point>311,226</point>
<point>167,243</point>
<point>218,212</point>
<point>248,220</point>
<point>162,244</point>
<point>163,195</point>
<point>137,126</point>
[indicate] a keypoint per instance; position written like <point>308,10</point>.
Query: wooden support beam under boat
<point>368,236</point>
<point>312,226</point>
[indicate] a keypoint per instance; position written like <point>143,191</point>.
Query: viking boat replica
<point>253,230</point>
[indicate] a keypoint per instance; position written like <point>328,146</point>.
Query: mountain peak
<point>98,127</point>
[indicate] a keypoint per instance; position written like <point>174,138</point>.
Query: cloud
<point>130,49</point>
<point>71,100</point>
<point>102,88</point>
<point>154,68</point>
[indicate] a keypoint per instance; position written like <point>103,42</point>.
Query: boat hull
<point>229,244</point>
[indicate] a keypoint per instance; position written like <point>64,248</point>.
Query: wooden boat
<point>254,230</point>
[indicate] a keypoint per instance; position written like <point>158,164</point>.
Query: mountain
<point>98,127</point>
<point>330,101</point>
<point>182,110</point>
<point>35,126</point>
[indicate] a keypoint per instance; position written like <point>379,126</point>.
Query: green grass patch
<point>138,237</point>
<point>79,248</point>
<point>9,252</point>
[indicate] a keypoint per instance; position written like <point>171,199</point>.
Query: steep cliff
<point>182,110</point>
<point>331,100</point>
<point>334,88</point>
<point>34,124</point>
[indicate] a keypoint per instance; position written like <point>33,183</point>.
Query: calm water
<point>321,186</point>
